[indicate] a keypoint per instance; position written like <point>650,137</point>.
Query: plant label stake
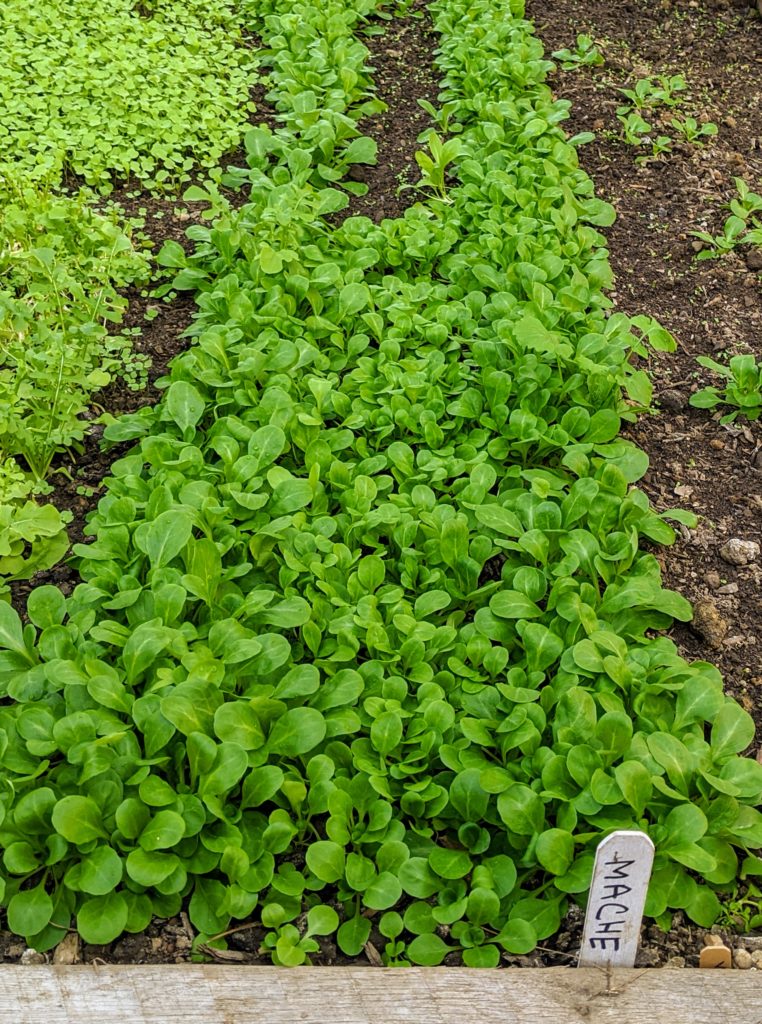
<point>622,870</point>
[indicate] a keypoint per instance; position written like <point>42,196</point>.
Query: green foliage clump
<point>742,227</point>
<point>646,98</point>
<point>62,268</point>
<point>120,88</point>
<point>365,625</point>
<point>584,54</point>
<point>743,389</point>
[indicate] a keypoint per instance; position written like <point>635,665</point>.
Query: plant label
<point>622,870</point>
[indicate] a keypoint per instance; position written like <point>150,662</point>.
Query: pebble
<point>673,400</point>
<point>675,962</point>
<point>67,951</point>
<point>754,259</point>
<point>729,588</point>
<point>739,552</point>
<point>31,956</point>
<point>742,959</point>
<point>712,580</point>
<point>756,957</point>
<point>713,940</point>
<point>708,622</point>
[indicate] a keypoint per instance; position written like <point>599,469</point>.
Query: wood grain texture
<point>326,995</point>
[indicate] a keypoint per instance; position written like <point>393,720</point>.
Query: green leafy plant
<point>32,538</point>
<point>434,164</point>
<point>661,90</point>
<point>62,268</point>
<point>743,389</point>
<point>742,227</point>
<point>692,131</point>
<point>635,129</point>
<point>368,617</point>
<point>143,96</point>
<point>584,54</point>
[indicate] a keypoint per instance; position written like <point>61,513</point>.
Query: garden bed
<point>695,463</point>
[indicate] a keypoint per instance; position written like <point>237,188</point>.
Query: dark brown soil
<point>403,70</point>
<point>710,306</point>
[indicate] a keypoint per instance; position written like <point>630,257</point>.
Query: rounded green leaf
<point>150,868</point>
<point>450,863</point>
<point>353,934</point>
<point>78,819</point>
<point>427,950</point>
<point>522,810</point>
<point>517,937</point>
<point>325,859</point>
<point>100,871</point>
<point>512,604</point>
<point>383,892</point>
<point>322,920</point>
<point>555,850</point>
<point>386,732</point>
<point>103,918</point>
<point>237,722</point>
<point>163,831</point>
<point>296,732</point>
<point>29,911</point>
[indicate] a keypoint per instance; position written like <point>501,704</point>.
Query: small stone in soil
<point>754,259</point>
<point>742,959</point>
<point>739,552</point>
<point>708,622</point>
<point>729,588</point>
<point>672,400</point>
<point>31,957</point>
<point>675,961</point>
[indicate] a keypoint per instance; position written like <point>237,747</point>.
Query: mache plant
<point>434,164</point>
<point>662,90</point>
<point>367,627</point>
<point>742,390</point>
<point>584,54</point>
<point>742,227</point>
<point>693,131</point>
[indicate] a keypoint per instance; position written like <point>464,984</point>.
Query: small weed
<point>742,227</point>
<point>584,54</point>
<point>692,131</point>
<point>743,389</point>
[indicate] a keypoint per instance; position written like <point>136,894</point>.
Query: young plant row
<point>364,643</point>
<point>103,91</point>
<point>62,269</point>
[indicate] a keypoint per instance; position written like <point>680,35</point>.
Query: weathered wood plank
<point>324,995</point>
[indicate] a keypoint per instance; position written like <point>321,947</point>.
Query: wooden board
<point>189,994</point>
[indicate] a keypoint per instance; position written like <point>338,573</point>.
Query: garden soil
<point>710,306</point>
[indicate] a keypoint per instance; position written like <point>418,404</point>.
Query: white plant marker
<point>622,870</point>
